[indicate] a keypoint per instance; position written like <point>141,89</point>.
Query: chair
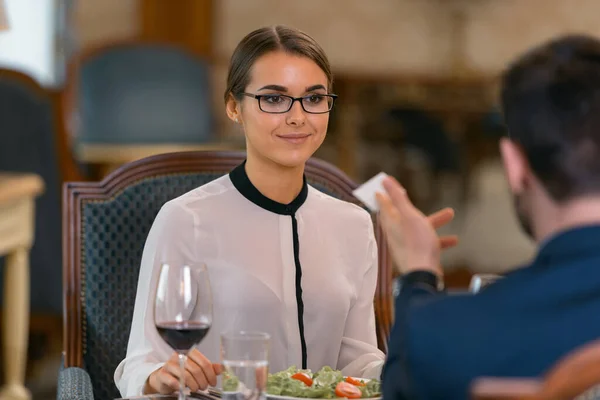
<point>135,99</point>
<point>105,225</point>
<point>575,376</point>
<point>27,145</point>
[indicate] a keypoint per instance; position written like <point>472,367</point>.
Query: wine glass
<point>183,309</point>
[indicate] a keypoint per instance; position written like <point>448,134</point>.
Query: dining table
<point>17,226</point>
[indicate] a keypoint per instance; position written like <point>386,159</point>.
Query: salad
<point>326,383</point>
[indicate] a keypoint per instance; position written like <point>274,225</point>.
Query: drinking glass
<point>245,358</point>
<point>479,281</point>
<point>183,309</point>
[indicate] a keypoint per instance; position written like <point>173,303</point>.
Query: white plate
<point>277,397</point>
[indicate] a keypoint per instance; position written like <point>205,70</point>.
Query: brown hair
<point>551,104</point>
<point>266,40</point>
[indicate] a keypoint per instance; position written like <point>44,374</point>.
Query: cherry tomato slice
<point>302,377</point>
<point>347,390</point>
<point>355,382</point>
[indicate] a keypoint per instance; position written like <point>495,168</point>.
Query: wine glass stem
<point>182,358</point>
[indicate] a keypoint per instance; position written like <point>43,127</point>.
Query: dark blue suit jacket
<point>517,327</point>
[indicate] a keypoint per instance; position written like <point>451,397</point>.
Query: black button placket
<point>242,183</point>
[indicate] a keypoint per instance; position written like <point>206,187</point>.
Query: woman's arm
<point>171,239</point>
<point>359,354</point>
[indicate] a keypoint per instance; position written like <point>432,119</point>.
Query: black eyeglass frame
<point>333,98</point>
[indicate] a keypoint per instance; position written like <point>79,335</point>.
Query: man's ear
<point>515,164</point>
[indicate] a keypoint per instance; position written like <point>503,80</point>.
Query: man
<point>522,324</point>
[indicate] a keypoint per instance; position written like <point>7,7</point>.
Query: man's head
<point>551,104</point>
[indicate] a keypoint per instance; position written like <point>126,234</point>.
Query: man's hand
<point>411,236</point>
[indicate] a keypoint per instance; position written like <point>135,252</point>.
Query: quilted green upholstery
<point>74,384</point>
<point>113,237</point>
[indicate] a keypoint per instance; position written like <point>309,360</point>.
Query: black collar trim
<point>242,183</point>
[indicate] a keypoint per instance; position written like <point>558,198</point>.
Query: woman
<point>283,257</point>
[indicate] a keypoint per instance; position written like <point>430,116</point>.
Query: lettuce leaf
<point>371,389</point>
<point>327,376</point>
<point>324,382</point>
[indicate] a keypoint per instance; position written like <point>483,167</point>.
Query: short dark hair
<point>266,40</point>
<point>551,104</point>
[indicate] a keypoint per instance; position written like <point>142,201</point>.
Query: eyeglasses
<point>281,103</point>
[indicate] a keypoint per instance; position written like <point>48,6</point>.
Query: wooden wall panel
<point>188,23</point>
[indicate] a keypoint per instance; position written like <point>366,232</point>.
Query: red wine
<point>181,336</point>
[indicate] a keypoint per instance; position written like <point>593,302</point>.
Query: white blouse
<point>248,243</point>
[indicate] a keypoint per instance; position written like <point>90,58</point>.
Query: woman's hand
<point>199,374</point>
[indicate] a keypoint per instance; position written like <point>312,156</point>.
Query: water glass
<point>245,358</point>
<point>479,281</point>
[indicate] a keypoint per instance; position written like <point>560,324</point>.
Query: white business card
<point>366,192</point>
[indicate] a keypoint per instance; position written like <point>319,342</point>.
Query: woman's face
<point>288,139</point>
